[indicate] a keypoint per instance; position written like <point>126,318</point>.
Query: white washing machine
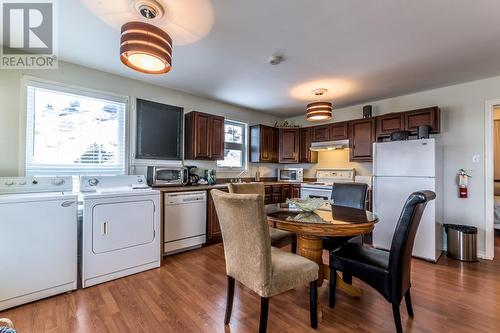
<point>120,227</point>
<point>38,238</point>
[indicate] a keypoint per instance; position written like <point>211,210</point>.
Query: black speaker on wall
<point>367,111</point>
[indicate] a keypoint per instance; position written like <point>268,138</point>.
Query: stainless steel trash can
<point>462,242</point>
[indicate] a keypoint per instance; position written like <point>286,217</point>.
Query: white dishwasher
<point>184,221</point>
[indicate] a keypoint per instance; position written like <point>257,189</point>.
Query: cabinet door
<point>305,153</point>
<point>265,143</point>
<point>214,234</point>
<point>295,191</point>
<point>362,136</point>
<point>268,199</point>
<point>276,194</point>
<point>339,131</point>
<point>217,138</point>
<point>202,136</point>
<point>288,146</point>
<point>427,116</point>
<point>276,198</point>
<point>274,145</point>
<point>286,192</point>
<point>321,133</point>
<point>388,123</point>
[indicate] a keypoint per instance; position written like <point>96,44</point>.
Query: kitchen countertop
<point>187,188</point>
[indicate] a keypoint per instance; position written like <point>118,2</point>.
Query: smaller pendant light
<point>319,110</point>
<point>145,47</point>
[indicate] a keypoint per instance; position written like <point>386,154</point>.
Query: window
<point>71,132</point>
<point>234,145</point>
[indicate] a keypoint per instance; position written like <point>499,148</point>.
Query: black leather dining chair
<point>348,195</point>
<point>386,271</point>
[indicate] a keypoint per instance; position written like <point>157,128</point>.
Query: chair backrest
<point>350,195</point>
<point>247,188</point>
<point>403,239</point>
<point>245,234</point>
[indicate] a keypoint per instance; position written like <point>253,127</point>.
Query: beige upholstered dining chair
<point>252,260</point>
<point>279,238</point>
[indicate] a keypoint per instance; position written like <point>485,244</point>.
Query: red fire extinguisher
<point>463,182</point>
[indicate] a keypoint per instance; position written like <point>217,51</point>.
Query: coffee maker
<point>193,178</point>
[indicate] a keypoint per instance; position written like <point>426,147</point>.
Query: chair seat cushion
<point>352,252</point>
<point>281,236</point>
<point>289,271</point>
<point>366,263</point>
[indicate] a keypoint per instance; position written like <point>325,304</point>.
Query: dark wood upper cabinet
<point>427,116</point>
<point>305,153</point>
<point>321,133</point>
<point>362,136</point>
<point>339,131</point>
<point>388,123</point>
<point>264,144</point>
<point>289,145</point>
<point>217,139</point>
<point>204,136</point>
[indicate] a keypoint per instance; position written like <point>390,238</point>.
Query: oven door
<point>169,176</point>
<point>287,175</point>
<point>309,192</point>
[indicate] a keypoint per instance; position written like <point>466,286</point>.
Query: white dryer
<point>120,227</point>
<point>38,230</point>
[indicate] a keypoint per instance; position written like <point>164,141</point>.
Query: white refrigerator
<point>399,169</point>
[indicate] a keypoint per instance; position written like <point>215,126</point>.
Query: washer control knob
<point>93,181</point>
<point>139,180</point>
<point>9,183</point>
<point>22,182</point>
<point>58,181</point>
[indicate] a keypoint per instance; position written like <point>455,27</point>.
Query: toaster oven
<point>167,176</point>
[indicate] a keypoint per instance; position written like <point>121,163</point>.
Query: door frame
<point>489,196</point>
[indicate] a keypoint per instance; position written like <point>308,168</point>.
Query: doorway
<point>492,177</point>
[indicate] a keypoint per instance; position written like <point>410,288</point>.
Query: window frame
<point>27,124</point>
<point>231,145</point>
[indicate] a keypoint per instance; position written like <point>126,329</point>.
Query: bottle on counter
<point>257,175</point>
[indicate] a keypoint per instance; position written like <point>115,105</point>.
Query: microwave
<point>167,176</point>
<point>295,175</point>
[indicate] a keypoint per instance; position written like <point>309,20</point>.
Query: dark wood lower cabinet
<point>273,194</point>
<point>214,234</point>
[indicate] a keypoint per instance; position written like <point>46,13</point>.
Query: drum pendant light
<point>145,47</point>
<point>319,110</point>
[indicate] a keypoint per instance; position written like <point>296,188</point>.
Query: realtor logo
<point>28,32</point>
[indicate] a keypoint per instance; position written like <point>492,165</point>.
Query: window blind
<point>74,132</point>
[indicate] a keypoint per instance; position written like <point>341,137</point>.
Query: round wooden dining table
<point>328,221</point>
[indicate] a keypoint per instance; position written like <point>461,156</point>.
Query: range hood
<point>329,145</point>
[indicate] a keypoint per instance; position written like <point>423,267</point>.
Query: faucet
<point>238,178</point>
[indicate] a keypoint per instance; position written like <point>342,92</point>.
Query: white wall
<point>11,108</point>
<point>462,135</point>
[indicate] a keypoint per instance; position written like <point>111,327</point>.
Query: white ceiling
<point>360,50</point>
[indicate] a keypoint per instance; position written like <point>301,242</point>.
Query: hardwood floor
<point>188,293</point>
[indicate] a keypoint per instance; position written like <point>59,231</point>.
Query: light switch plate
<point>475,158</point>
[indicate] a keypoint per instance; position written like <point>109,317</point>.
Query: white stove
<point>326,178</point>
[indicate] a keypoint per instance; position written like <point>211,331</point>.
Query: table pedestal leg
<point>311,247</point>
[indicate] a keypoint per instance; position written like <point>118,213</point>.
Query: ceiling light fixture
<point>145,47</point>
<point>319,110</point>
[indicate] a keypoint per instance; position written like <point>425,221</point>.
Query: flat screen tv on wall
<point>159,131</point>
